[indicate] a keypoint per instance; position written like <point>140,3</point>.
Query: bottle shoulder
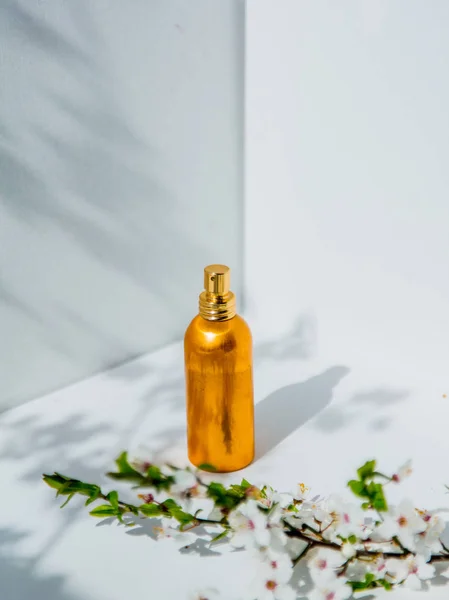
<point>216,332</point>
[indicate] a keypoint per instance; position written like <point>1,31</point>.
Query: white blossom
<point>345,519</point>
<point>311,513</point>
<point>428,541</point>
<point>379,568</point>
<point>411,570</point>
<point>271,497</point>
<point>301,492</point>
<point>169,530</point>
<point>249,524</point>
<point>272,581</point>
<point>403,472</point>
<point>275,558</point>
<point>348,551</point>
<point>324,563</point>
<point>333,589</point>
<point>275,524</point>
<point>402,522</point>
<point>184,481</point>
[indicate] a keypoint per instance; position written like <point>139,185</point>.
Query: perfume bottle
<point>219,382</point>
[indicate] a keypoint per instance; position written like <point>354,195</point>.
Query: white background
<point>121,175</point>
<point>347,178</point>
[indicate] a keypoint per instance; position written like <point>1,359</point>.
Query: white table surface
<point>317,420</point>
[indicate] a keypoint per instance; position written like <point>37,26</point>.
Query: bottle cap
<point>217,279</point>
<point>217,302</point>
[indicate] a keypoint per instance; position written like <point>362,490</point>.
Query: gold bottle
<point>219,382</point>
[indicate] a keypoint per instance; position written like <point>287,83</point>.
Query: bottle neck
<point>213,307</point>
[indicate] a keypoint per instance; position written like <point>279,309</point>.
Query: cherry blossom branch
<point>344,543</point>
<point>314,543</point>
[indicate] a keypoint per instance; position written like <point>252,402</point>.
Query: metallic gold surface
<point>217,302</point>
<point>220,404</point>
<point>217,279</point>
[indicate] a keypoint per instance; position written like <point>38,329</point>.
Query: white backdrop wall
<point>120,178</point>
<point>347,150</point>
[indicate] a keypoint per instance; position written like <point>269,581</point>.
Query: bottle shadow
<point>285,410</point>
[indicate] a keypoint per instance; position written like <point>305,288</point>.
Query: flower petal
<point>284,592</point>
<point>426,571</point>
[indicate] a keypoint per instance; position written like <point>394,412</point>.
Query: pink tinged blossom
<point>411,571</point>
<point>169,531</point>
<point>147,498</point>
<point>403,472</point>
<point>344,519</point>
<point>428,541</point>
<point>335,589</point>
<point>402,522</point>
<point>185,484</point>
<point>249,525</point>
<point>272,582</point>
<point>324,563</point>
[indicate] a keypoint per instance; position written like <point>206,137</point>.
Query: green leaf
<point>352,539</point>
<point>377,497</point>
<point>67,501</point>
<point>223,497</point>
<point>182,517</point>
<point>55,481</point>
<point>367,469</point>
<point>150,510</point>
<point>155,478</point>
<point>245,484</point>
<point>358,488</point>
<point>176,511</point>
<point>357,585</point>
<point>113,499</point>
<point>133,509</point>
<point>237,490</point>
<point>85,489</point>
<point>123,464</point>
<point>93,497</point>
<point>216,491</point>
<point>169,505</point>
<point>366,505</point>
<point>386,584</point>
<point>154,472</point>
<point>207,467</point>
<point>66,486</point>
<point>220,536</point>
<point>137,477</point>
<point>368,582</point>
<point>62,491</point>
<point>104,510</point>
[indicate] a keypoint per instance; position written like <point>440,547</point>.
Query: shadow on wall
<point>109,202</point>
<point>75,170</point>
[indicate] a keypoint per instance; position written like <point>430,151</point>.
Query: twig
<point>297,533</point>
